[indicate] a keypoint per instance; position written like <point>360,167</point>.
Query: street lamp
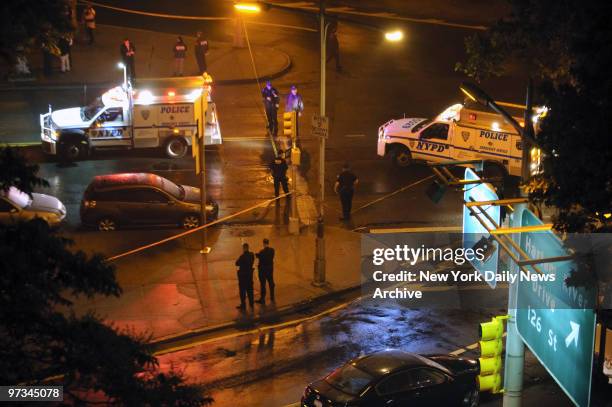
<point>121,65</point>
<point>247,7</point>
<point>394,36</point>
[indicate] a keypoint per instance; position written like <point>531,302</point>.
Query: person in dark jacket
<point>345,188</point>
<point>271,101</point>
<point>201,49</point>
<point>278,168</point>
<point>179,49</point>
<point>265,270</point>
<point>128,51</point>
<point>64,43</point>
<point>245,276</point>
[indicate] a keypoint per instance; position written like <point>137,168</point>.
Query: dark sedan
<point>115,200</point>
<point>397,378</point>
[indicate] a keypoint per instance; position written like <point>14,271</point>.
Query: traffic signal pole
<point>319,266</point>
<point>515,348</point>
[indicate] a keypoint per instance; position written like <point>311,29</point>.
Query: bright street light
<point>247,7</point>
<point>394,36</point>
<point>120,65</point>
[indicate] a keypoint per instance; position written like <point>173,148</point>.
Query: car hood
<point>326,391</point>
<point>68,118</point>
<point>46,203</point>
<point>402,125</point>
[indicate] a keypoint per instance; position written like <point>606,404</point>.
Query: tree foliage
<point>42,337</point>
<point>25,21</point>
<point>567,45</point>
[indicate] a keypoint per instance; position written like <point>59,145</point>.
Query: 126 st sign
<point>555,321</point>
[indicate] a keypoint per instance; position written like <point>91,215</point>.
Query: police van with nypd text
<point>459,133</point>
<point>154,113</point>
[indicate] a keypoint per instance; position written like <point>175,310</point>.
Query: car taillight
<point>89,204</point>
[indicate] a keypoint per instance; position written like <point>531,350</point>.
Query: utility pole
<point>205,249</point>
<point>319,266</point>
<point>515,348</point>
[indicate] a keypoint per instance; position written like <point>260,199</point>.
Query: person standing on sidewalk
<point>180,49</point>
<point>294,102</point>
<point>201,49</point>
<point>64,44</point>
<point>345,188</point>
<point>128,51</point>
<point>278,168</point>
<point>89,21</point>
<point>271,102</point>
<point>266,271</point>
<point>245,276</point>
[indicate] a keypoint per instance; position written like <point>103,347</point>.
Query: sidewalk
<point>97,64</point>
<point>177,292</point>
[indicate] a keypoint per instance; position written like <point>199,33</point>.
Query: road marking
<point>245,138</point>
<point>354,135</point>
<point>418,230</point>
<point>393,193</point>
<point>21,144</point>
<point>469,347</point>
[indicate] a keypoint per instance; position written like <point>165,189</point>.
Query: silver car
<point>16,205</point>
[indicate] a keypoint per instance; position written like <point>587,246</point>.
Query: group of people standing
<point>271,99</point>
<point>265,270</point>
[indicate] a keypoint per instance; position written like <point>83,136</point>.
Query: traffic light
<point>290,124</point>
<point>490,361</point>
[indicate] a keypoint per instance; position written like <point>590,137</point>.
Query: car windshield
<point>18,198</point>
<point>349,379</point>
<point>170,187</point>
<point>420,125</point>
<point>91,110</point>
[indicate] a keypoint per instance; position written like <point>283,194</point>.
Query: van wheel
<point>190,221</point>
<point>176,147</point>
<point>73,150</point>
<point>402,156</point>
<point>107,224</point>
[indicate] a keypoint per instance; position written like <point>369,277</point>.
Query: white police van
<point>156,112</point>
<point>459,133</point>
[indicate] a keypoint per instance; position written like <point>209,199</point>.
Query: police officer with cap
<point>278,168</point>
<point>271,101</point>
<point>345,188</point>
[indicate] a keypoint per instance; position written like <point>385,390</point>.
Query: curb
<point>297,307</point>
<point>104,85</point>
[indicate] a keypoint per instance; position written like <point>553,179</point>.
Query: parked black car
<point>116,200</point>
<point>397,378</point>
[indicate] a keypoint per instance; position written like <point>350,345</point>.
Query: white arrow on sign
<point>573,335</point>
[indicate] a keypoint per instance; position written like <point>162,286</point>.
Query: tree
<point>567,47</point>
<point>42,337</point>
<point>22,22</point>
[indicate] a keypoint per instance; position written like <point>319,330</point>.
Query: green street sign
<point>555,321</point>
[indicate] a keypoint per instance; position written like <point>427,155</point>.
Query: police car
<point>461,132</point>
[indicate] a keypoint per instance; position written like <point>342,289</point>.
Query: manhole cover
<point>242,232</point>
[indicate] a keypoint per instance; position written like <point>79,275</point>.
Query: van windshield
<point>91,110</point>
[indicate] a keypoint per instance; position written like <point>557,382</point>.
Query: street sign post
<point>320,126</point>
<point>555,321</point>
<point>473,230</point>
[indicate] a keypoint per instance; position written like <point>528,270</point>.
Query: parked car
<point>132,199</point>
<point>397,378</point>
<point>16,205</point>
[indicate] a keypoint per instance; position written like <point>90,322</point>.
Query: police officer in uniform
<point>180,49</point>
<point>271,102</point>
<point>278,168</point>
<point>345,188</point>
<point>201,49</point>
<point>128,51</point>
<point>245,276</point>
<point>266,271</point>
